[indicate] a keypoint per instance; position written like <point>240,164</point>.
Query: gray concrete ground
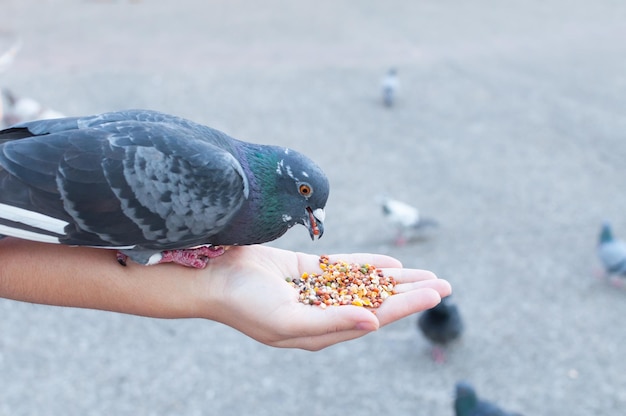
<point>510,130</point>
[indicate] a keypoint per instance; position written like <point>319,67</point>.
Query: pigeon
<point>8,56</point>
<point>21,109</point>
<point>612,255</point>
<point>390,87</point>
<point>441,325</point>
<point>467,403</point>
<point>405,217</point>
<point>156,187</point>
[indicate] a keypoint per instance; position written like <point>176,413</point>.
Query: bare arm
<point>245,289</point>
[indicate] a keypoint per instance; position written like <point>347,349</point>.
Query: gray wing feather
<point>195,190</point>
<point>121,180</point>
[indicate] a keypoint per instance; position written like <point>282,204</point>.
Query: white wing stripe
<point>115,247</point>
<point>27,235</point>
<point>34,219</point>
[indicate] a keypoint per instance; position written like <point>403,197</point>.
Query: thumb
<point>319,328</point>
<point>313,320</point>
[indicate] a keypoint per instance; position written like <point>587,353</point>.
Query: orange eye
<point>305,189</point>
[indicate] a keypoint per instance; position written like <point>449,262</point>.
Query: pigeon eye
<point>305,189</point>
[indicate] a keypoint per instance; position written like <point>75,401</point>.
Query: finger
<point>402,305</point>
<point>376,260</point>
<point>394,308</point>
<point>330,326</point>
<point>318,342</point>
<point>402,275</point>
<point>440,285</point>
<point>312,321</point>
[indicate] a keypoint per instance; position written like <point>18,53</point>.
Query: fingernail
<point>366,326</point>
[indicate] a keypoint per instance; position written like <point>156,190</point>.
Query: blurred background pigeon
<point>10,45</point>
<point>612,255</point>
<point>390,87</point>
<point>21,109</point>
<point>14,108</point>
<point>467,403</point>
<point>405,218</point>
<point>441,325</point>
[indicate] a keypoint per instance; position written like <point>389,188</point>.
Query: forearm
<point>92,278</point>
<point>245,288</point>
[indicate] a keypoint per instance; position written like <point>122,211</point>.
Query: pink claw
<point>617,282</point>
<point>400,241</point>
<point>192,257</point>
<point>121,258</point>
<point>439,355</point>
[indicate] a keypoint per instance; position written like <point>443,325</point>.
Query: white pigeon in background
<point>405,217</point>
<point>20,109</point>
<point>7,57</point>
<point>390,87</point>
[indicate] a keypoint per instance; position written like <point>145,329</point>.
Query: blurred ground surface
<point>510,130</point>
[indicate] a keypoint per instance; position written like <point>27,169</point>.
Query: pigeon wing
<point>613,256</point>
<point>118,182</point>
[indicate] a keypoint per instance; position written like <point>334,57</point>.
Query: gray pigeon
<point>612,255</point>
<point>390,87</point>
<point>467,403</point>
<point>441,325</point>
<point>406,218</point>
<point>156,187</point>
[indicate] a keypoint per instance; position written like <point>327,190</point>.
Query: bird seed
<point>343,283</point>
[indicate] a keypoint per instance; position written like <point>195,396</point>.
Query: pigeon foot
<point>617,282</point>
<point>121,258</point>
<point>400,241</point>
<point>197,257</point>
<point>192,257</point>
<point>439,355</point>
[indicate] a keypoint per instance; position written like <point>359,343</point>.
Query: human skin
<point>245,288</point>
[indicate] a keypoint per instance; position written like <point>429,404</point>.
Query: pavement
<point>509,129</point>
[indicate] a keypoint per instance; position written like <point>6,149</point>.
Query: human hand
<point>245,288</point>
<point>247,291</point>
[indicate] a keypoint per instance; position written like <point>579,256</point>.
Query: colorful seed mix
<point>344,283</point>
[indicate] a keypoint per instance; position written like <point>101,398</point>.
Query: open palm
<point>255,298</point>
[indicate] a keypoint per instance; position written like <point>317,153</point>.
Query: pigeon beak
<point>315,222</point>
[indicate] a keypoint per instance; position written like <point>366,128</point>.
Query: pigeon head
<point>285,188</point>
<point>465,399</point>
<point>606,233</point>
<point>444,309</point>
<point>304,191</point>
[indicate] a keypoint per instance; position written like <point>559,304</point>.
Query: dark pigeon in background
<point>441,325</point>
<point>467,403</point>
<point>406,218</point>
<point>390,87</point>
<point>156,187</point>
<point>612,255</point>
